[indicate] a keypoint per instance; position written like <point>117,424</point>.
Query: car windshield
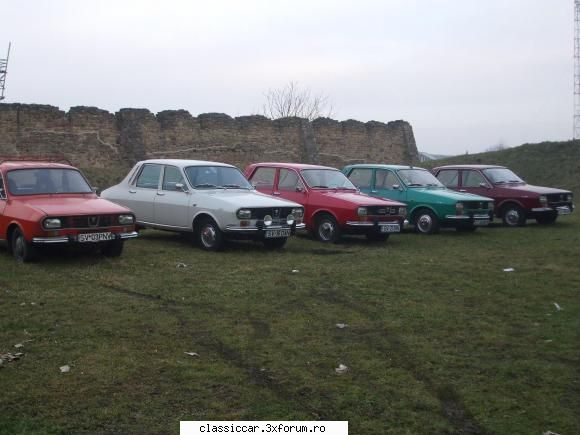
<point>216,177</point>
<point>419,178</point>
<point>326,179</point>
<point>502,176</point>
<point>41,181</point>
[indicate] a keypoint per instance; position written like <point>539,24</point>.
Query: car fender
<point>499,205</point>
<point>318,211</point>
<point>412,211</point>
<point>211,214</point>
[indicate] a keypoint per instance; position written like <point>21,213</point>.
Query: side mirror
<point>396,186</point>
<point>95,189</point>
<point>299,189</point>
<point>484,185</point>
<point>181,186</point>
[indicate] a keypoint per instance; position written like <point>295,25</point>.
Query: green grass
<point>554,164</point>
<point>440,339</point>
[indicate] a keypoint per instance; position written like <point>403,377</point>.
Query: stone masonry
<point>92,138</point>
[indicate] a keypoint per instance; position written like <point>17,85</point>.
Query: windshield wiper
<point>514,181</point>
<point>415,184</point>
<point>207,185</point>
<point>232,186</point>
<point>500,182</point>
<point>320,187</point>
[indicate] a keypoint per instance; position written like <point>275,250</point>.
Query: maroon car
<point>332,204</point>
<point>515,200</point>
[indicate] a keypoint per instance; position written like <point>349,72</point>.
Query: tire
<point>513,216</point>
<point>426,222</point>
<point>377,237</point>
<point>113,248</point>
<point>326,229</point>
<point>275,243</point>
<point>209,236</point>
<point>23,251</point>
<point>547,218</point>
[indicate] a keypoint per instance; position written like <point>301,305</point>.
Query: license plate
<point>564,210</point>
<point>94,237</point>
<point>480,222</point>
<point>390,228</point>
<point>275,234</point>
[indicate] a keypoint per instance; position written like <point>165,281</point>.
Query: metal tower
<point>576,69</point>
<point>3,69</point>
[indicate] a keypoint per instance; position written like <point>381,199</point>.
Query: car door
<point>386,184</point>
<point>289,186</point>
<point>263,179</point>
<point>473,181</point>
<point>172,200</point>
<point>142,192</point>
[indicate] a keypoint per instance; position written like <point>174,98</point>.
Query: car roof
<point>468,167</point>
<point>182,163</point>
<point>297,166</point>
<point>382,166</point>
<point>18,164</point>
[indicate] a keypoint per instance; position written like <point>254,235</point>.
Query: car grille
<point>94,221</point>
<point>475,205</point>
<point>382,211</point>
<point>557,198</point>
<point>278,213</point>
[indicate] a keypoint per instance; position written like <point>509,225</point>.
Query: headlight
<point>244,213</point>
<point>126,219</point>
<point>52,223</point>
<point>569,197</point>
<point>298,212</point>
<point>362,211</point>
<point>543,199</point>
<point>267,220</point>
<point>403,211</point>
<point>290,219</point>
<point>459,208</point>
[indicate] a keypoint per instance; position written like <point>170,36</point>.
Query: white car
<point>213,200</point>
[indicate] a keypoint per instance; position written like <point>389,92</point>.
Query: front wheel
<point>275,243</point>
<point>514,216</point>
<point>113,248</point>
<point>326,229</point>
<point>22,250</point>
<point>209,235</point>
<point>426,222</point>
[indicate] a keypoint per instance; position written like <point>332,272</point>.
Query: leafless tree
<point>293,100</point>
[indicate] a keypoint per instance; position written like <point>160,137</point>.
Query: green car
<point>430,205</point>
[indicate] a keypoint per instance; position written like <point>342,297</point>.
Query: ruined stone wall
<point>94,138</point>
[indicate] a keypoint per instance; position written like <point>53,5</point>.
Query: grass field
<point>440,338</point>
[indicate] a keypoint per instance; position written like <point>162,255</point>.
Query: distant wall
<point>94,138</point>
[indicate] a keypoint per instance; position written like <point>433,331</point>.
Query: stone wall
<point>92,138</point>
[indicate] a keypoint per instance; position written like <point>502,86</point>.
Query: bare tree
<point>293,100</point>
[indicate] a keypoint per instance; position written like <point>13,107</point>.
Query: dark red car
<point>332,204</point>
<point>515,200</point>
<point>49,203</point>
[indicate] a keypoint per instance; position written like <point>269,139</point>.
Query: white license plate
<point>390,228</point>
<point>94,237</point>
<point>564,210</point>
<point>275,234</point>
<point>480,222</point>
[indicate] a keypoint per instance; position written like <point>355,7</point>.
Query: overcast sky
<point>467,74</point>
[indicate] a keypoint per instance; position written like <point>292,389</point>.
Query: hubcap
<point>424,223</point>
<point>208,236</point>
<point>326,230</point>
<point>512,217</point>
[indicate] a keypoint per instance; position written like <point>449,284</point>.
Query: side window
<point>288,180</point>
<point>385,179</point>
<point>449,177</point>
<point>472,179</point>
<point>361,178</point>
<point>171,177</point>
<point>149,177</point>
<point>264,177</point>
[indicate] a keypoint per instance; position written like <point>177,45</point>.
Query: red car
<point>47,203</point>
<point>515,200</point>
<point>332,204</point>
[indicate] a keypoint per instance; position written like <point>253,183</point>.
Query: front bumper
<point>74,238</point>
<point>258,232</point>
<point>560,210</point>
<point>379,227</point>
<point>469,220</point>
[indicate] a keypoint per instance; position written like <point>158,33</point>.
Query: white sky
<point>467,74</point>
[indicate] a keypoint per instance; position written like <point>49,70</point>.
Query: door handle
<point>374,191</point>
<point>462,190</point>
<point>132,191</point>
<point>160,194</point>
<point>275,193</point>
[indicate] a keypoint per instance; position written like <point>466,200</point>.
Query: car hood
<point>59,205</point>
<point>355,198</point>
<point>446,194</point>
<point>246,199</point>
<point>528,188</point>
